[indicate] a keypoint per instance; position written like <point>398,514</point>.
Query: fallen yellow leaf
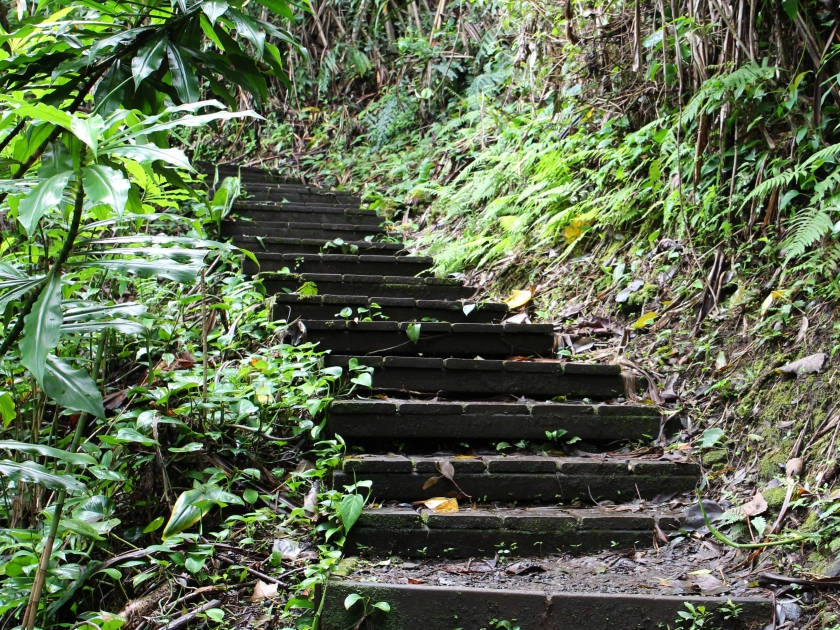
<point>519,298</point>
<point>441,505</point>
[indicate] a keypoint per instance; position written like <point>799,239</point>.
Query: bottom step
<point>416,607</point>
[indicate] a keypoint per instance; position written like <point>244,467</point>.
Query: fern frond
<point>809,226</point>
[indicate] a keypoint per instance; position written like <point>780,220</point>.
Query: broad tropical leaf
<point>42,329</point>
<point>214,9</point>
<point>78,459</point>
<point>192,505</point>
<point>146,153</point>
<point>35,473</point>
<point>148,60</point>
<point>88,130</point>
<point>184,78</point>
<point>71,388</point>
<point>47,195</point>
<point>106,185</point>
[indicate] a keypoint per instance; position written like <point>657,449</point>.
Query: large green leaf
<point>47,195</point>
<point>42,329</point>
<point>184,78</point>
<point>35,473</point>
<point>148,59</point>
<point>248,29</point>
<point>85,311</point>
<point>41,111</point>
<point>279,7</point>
<point>200,120</point>
<point>7,408</point>
<point>193,504</point>
<point>125,326</point>
<point>350,510</point>
<point>214,9</point>
<point>19,289</point>
<point>71,388</point>
<point>88,130</point>
<point>183,273</point>
<point>78,459</point>
<point>94,509</point>
<point>107,185</point>
<point>145,153</point>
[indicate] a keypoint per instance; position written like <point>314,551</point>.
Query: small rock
<point>788,611</point>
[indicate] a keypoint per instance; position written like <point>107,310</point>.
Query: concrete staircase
<point>427,428</point>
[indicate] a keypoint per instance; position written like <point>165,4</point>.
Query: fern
<point>809,226</point>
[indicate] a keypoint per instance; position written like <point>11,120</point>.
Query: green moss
<point>716,459</point>
<point>643,296</point>
<point>346,566</point>
<point>811,524</point>
<point>774,497</point>
<point>769,466</point>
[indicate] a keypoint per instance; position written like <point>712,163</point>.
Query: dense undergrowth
<point>162,435</point>
<point>661,176</point>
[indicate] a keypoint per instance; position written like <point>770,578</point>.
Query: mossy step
<point>519,478</point>
<point>290,306</point>
<point>531,607</point>
<point>369,286</point>
<point>294,245</point>
<point>536,379</point>
<point>306,213</point>
<point>434,339</point>
<point>354,264</point>
<point>363,419</point>
<point>292,229</point>
<point>483,532</point>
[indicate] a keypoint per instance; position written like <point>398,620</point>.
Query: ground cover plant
<point>153,412</point>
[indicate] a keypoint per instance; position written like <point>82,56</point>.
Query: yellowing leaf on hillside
<point>574,229</point>
<point>774,295</point>
<point>440,505</point>
<point>644,320</point>
<point>519,298</point>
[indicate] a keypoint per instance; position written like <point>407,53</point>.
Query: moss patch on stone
<point>715,459</point>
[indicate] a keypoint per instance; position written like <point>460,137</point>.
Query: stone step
<point>305,213</point>
<point>355,264</point>
<point>254,186</point>
<point>435,339</point>
<point>513,532</point>
<point>369,286</point>
<point>529,607</point>
<point>517,478</point>
<point>500,421</point>
<point>291,306</point>
<point>288,245</point>
<point>451,377</point>
<point>291,229</point>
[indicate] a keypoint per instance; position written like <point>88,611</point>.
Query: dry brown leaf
<point>310,501</point>
<point>263,590</point>
<point>803,330</point>
<point>807,365</point>
<point>793,468</point>
<point>758,505</point>
<point>446,469</point>
<point>440,505</point>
